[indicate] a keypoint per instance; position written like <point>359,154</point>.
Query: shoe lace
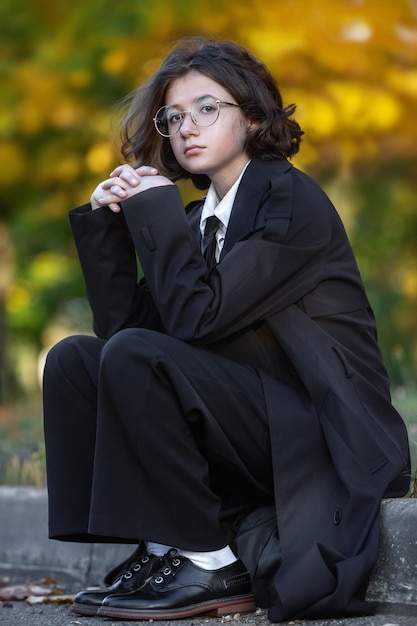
<point>169,563</point>
<point>136,566</point>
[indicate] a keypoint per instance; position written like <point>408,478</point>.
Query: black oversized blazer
<point>286,260</point>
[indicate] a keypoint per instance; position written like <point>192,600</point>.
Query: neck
<point>223,182</point>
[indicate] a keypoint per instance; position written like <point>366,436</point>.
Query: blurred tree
<point>350,65</point>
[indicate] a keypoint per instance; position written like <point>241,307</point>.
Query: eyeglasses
<point>204,112</point>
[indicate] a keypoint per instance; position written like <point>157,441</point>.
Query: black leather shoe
<point>178,589</point>
<point>115,573</point>
<point>88,602</point>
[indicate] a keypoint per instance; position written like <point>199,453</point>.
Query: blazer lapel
<point>254,185</point>
<point>193,210</point>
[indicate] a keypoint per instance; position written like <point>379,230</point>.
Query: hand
<point>124,182</point>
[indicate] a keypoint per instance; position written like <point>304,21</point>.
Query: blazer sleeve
<point>109,264</point>
<point>259,276</point>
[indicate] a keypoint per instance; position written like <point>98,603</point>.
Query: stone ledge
<point>394,577</point>
<point>26,551</point>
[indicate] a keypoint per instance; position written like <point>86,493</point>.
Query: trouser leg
<point>70,414</point>
<point>178,428</point>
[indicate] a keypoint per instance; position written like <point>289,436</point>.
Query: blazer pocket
<point>353,431</point>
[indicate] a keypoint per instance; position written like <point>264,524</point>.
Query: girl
<point>242,371</point>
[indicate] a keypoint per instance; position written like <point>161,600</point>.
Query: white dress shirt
<point>221,209</point>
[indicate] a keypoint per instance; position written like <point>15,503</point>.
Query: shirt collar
<point>220,208</point>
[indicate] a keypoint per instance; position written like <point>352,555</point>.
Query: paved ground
<point>21,614</point>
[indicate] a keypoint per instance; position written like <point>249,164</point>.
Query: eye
<point>208,108</point>
<point>175,118</point>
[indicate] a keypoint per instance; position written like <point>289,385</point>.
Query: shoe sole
<point>214,608</point>
<point>84,609</point>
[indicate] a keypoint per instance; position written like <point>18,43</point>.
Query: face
<point>216,150</point>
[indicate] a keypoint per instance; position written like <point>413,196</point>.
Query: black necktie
<point>209,243</point>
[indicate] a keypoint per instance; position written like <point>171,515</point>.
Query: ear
<point>252,125</point>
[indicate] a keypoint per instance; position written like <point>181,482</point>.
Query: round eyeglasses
<point>204,112</point>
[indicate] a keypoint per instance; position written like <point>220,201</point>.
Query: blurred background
<point>349,65</point>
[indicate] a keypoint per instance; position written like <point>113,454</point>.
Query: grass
<point>405,401</point>
<point>22,451</point>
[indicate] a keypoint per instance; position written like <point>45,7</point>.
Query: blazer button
<point>337,517</point>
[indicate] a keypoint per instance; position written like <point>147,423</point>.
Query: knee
<point>61,351</point>
<point>121,341</point>
<point>66,355</point>
<point>136,342</point>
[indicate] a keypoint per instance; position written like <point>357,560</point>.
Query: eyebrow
<point>206,95</point>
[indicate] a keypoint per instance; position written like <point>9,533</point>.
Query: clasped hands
<point>124,182</point>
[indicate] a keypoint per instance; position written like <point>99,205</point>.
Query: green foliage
<point>22,451</point>
<point>384,238</point>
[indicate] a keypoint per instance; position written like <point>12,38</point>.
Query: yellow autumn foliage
<point>18,298</point>
<point>49,268</point>
<point>409,283</point>
<point>100,157</point>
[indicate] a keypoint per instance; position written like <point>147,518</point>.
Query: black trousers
<point>150,438</point>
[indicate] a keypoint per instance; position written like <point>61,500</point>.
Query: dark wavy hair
<point>246,78</point>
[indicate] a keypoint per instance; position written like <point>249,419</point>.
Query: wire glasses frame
<point>204,112</point>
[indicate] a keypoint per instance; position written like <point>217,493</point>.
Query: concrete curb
<point>27,553</point>
<point>394,577</point>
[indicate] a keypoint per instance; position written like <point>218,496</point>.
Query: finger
<point>113,183</point>
<point>109,202</point>
<point>104,201</point>
<point>114,189</point>
<point>109,191</point>
<point>118,190</point>
<point>112,198</point>
<point>146,170</point>
<point>127,173</point>
<point>117,171</point>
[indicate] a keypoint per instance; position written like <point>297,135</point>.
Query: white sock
<point>210,560</point>
<point>159,549</point>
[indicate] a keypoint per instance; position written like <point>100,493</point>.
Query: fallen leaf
<point>22,591</point>
<point>50,599</point>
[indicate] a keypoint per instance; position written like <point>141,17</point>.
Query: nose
<point>188,126</point>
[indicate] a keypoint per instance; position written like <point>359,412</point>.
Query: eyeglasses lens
<point>204,112</point>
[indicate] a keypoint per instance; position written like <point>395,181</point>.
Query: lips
<point>194,149</point>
